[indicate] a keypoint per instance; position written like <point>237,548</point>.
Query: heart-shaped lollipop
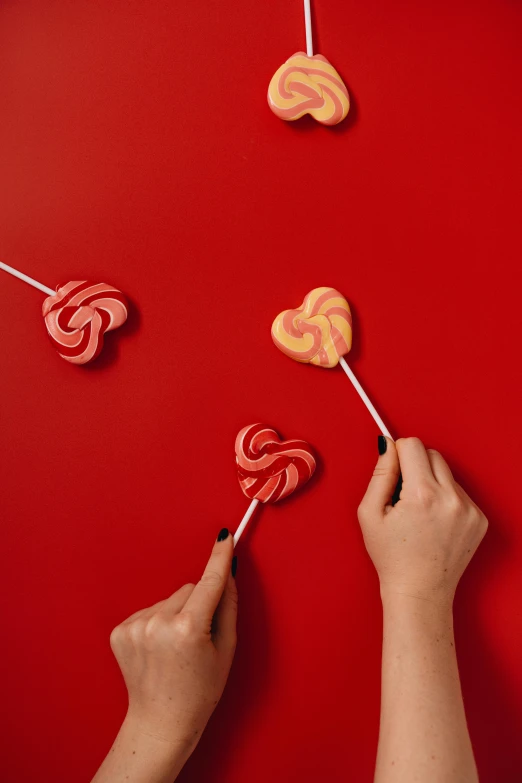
<point>320,332</point>
<point>308,85</point>
<point>78,314</point>
<point>317,332</point>
<point>268,468</point>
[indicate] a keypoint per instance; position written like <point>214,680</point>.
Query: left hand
<point>175,656</point>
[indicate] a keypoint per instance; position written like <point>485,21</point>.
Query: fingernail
<point>234,566</point>
<point>223,534</point>
<point>382,444</point>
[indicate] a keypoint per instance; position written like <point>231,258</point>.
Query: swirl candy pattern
<point>308,85</point>
<point>318,332</point>
<point>269,469</point>
<point>78,316</point>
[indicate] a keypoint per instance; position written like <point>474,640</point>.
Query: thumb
<point>383,482</point>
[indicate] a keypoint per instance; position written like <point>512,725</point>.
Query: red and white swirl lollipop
<point>78,314</point>
<point>268,468</point>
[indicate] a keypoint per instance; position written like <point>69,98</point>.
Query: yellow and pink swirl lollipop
<point>320,332</point>
<point>308,84</point>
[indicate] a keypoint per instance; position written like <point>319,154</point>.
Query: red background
<point>136,147</point>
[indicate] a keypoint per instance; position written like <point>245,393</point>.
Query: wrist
<point>149,741</point>
<point>408,598</point>
<point>142,755</point>
<point>417,620</point>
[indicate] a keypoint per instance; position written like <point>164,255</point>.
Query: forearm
<point>423,733</point>
<point>140,757</point>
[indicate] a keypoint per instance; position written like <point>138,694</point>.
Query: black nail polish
<point>397,493</point>
<point>234,566</point>
<point>382,444</point>
<point>223,534</point>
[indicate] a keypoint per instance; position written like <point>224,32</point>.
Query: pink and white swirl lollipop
<point>78,314</point>
<point>268,468</point>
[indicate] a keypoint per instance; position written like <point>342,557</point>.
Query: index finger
<point>414,461</point>
<point>204,599</point>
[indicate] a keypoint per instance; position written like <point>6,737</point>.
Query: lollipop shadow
<point>247,682</point>
<point>111,344</point>
<point>356,349</point>
<point>352,117</point>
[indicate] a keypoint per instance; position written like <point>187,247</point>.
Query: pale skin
<point>176,655</point>
<point>175,658</point>
<point>420,548</point>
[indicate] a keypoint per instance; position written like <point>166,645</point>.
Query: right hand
<point>422,545</point>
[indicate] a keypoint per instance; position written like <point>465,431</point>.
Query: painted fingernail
<point>382,444</point>
<point>234,566</point>
<point>223,534</point>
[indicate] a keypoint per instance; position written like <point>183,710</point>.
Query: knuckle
<point>211,578</point>
<point>135,630</point>
<point>152,627</point>
<point>477,520</point>
<point>115,636</point>
<point>455,503</point>
<point>185,626</point>
<point>427,493</point>
<point>362,510</point>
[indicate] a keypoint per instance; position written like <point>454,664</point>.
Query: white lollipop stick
<point>308,28</point>
<point>27,279</point>
<point>364,397</point>
<point>246,519</point>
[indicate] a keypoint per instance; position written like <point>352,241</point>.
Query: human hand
<point>422,545</point>
<point>175,656</point>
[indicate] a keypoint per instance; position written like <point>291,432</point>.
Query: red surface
<point>136,147</point>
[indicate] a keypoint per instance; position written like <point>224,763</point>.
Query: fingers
<point>173,605</point>
<point>204,599</point>
<point>414,461</point>
<point>177,601</point>
<point>440,468</point>
<point>225,618</point>
<point>384,479</point>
